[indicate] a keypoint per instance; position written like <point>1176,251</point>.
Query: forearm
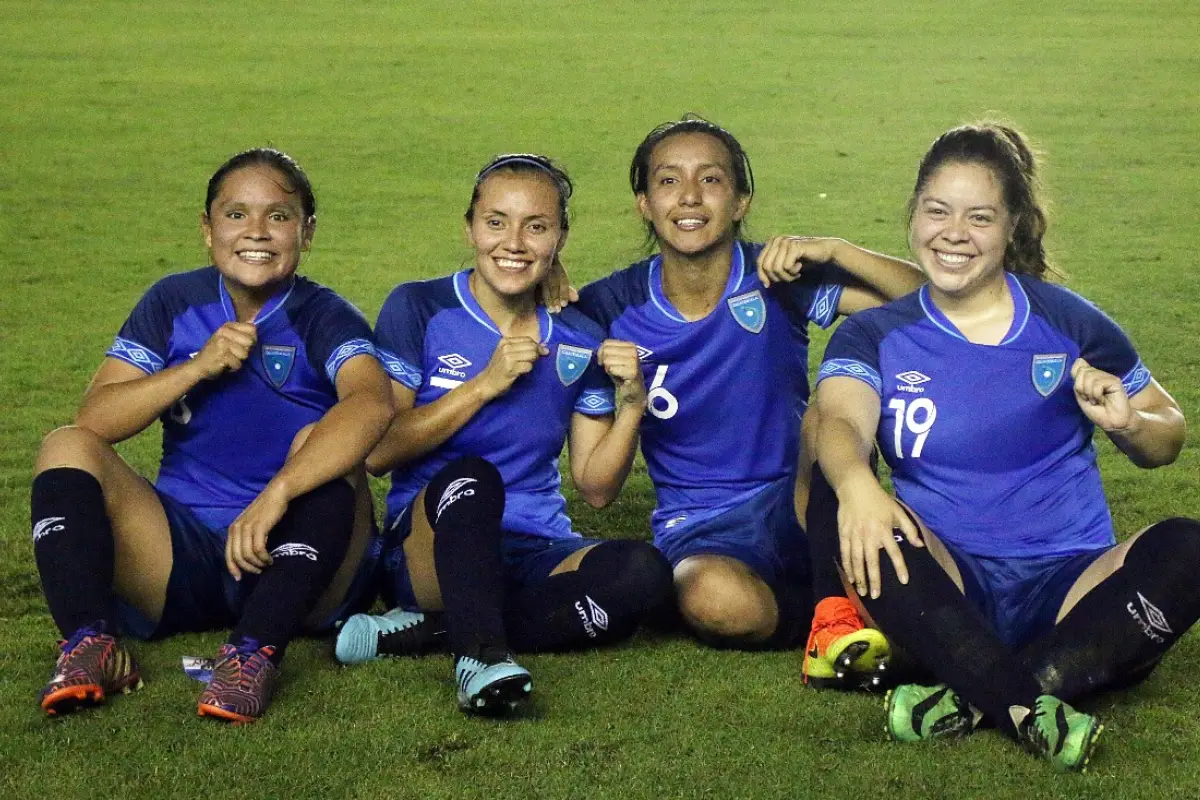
<point>116,411</point>
<point>844,455</point>
<point>420,430</point>
<point>1153,438</point>
<point>608,465</point>
<point>339,441</point>
<point>890,277</point>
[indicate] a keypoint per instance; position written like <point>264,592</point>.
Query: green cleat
<point>1057,732</point>
<point>916,713</point>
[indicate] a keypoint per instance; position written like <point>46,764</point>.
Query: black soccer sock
<point>938,627</point>
<point>616,585</point>
<point>74,549</point>
<point>465,506</point>
<point>821,527</point>
<point>306,547</point>
<point>1117,633</point>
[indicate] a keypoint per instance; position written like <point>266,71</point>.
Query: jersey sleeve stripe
<point>823,310</point>
<point>849,368</point>
<point>350,349</point>
<point>133,353</point>
<point>595,402</point>
<point>1136,379</point>
<point>400,370</point>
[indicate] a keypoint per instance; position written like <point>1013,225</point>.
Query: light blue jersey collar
<point>462,289</point>
<point>270,307</point>
<point>1020,311</point>
<point>737,272</point>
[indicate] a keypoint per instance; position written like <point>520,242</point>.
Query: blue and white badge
<point>571,362</point>
<point>277,361</point>
<point>749,310</point>
<point>1048,371</point>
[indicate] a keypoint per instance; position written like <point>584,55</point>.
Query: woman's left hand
<point>246,542</point>
<point>1101,397</point>
<point>620,360</point>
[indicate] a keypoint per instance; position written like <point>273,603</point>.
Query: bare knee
<point>73,446</point>
<point>722,598</point>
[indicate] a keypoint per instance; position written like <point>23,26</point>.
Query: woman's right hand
<point>226,350</point>
<point>867,520</point>
<point>513,357</point>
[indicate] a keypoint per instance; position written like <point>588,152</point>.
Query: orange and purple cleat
<point>242,683</point>
<point>92,666</point>
<point>842,652</point>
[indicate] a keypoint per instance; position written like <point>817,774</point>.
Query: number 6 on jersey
<point>659,394</point>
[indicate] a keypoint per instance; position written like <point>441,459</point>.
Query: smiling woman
<point>270,397</point>
<point>481,557</point>
<point>724,349</point>
<point>1003,576</point>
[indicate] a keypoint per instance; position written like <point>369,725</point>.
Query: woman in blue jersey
<point>270,396</point>
<point>1003,578</point>
<point>723,350</point>
<point>481,556</point>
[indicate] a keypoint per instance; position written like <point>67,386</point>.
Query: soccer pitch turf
<point>115,114</point>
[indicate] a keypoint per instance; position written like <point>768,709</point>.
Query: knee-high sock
<point>616,585</point>
<point>306,547</point>
<point>1121,628</point>
<point>820,525</point>
<point>465,506</point>
<point>935,624</point>
<point>74,549</point>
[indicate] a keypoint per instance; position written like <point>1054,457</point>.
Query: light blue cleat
<point>366,637</point>
<point>494,688</point>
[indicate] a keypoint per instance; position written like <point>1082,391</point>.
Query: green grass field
<point>114,115</point>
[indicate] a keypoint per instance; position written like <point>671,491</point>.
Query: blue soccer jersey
<point>987,443</point>
<point>433,336</point>
<point>726,392</point>
<point>229,436</point>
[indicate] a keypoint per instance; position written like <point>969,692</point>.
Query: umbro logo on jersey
<point>673,521</point>
<point>457,490</point>
<point>644,353</point>
<point>911,381</point>
<point>295,549</point>
<point>1150,619</point>
<point>593,616</point>
<point>46,526</point>
<point>453,363</point>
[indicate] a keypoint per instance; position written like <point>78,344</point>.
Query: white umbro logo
<point>593,617</point>
<point>47,525</point>
<point>912,381</point>
<point>644,353</point>
<point>295,549</point>
<point>455,361</point>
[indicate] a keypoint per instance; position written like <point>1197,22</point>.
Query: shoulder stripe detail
<point>352,348</point>
<point>849,368</point>
<point>133,353</point>
<point>400,370</point>
<point>595,402</point>
<point>1136,379</point>
<point>823,310</point>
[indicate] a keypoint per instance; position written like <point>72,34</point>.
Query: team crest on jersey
<point>1048,371</point>
<point>571,362</point>
<point>749,310</point>
<point>278,361</point>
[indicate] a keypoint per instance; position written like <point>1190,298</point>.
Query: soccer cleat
<point>842,653</point>
<point>92,666</point>
<point>365,637</point>
<point>916,713</point>
<point>491,685</point>
<point>242,683</point>
<point>1057,732</point>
